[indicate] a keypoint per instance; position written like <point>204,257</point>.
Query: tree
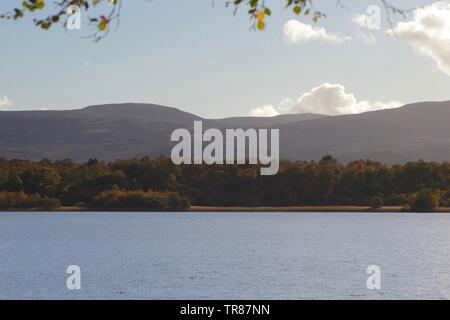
<point>157,184</point>
<point>105,12</point>
<point>397,199</point>
<point>14,184</point>
<point>426,201</point>
<point>376,202</point>
<point>41,180</point>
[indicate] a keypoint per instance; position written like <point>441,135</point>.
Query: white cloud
<point>297,32</point>
<point>369,21</point>
<point>330,99</point>
<point>5,103</point>
<point>285,105</point>
<point>265,111</point>
<point>429,33</point>
<point>361,20</point>
<point>367,24</point>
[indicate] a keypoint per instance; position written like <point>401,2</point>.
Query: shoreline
<point>336,209</point>
<point>296,209</point>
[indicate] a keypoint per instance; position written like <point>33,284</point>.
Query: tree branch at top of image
<point>103,13</point>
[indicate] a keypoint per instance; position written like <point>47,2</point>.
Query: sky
<point>199,57</point>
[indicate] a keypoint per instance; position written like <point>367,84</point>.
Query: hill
<point>118,131</point>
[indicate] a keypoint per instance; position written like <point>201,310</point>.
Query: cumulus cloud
<point>330,99</point>
<point>285,105</point>
<point>429,33</point>
<point>297,32</point>
<point>264,111</point>
<point>5,103</point>
<point>333,99</point>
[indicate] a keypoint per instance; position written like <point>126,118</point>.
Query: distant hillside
<point>412,132</point>
<point>150,112</point>
<point>106,132</point>
<point>116,131</point>
<point>262,122</point>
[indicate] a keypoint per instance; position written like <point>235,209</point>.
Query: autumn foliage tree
<point>158,184</point>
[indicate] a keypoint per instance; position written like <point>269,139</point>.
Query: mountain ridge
<point>117,131</point>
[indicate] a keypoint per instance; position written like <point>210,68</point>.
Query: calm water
<point>224,255</point>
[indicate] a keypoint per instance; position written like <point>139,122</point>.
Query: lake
<point>224,255</point>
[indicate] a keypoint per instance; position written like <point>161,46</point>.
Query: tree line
<point>158,184</point>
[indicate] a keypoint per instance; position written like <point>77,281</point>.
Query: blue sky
<point>202,59</point>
